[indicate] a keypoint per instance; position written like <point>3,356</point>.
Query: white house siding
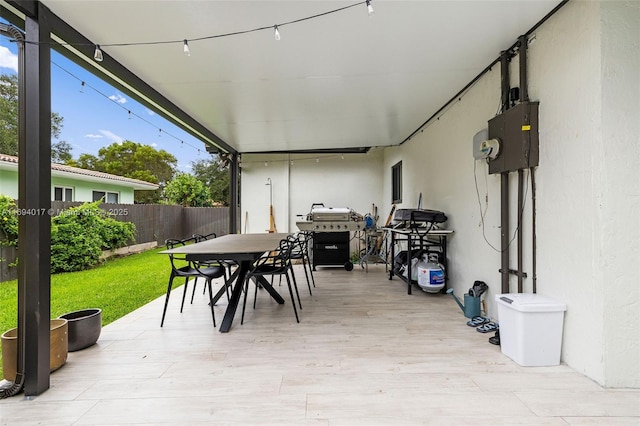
<point>83,191</point>
<point>584,68</point>
<point>9,183</point>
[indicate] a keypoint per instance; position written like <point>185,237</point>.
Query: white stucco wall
<point>621,191</point>
<point>352,180</point>
<point>584,69</point>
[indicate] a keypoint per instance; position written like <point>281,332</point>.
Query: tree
<point>215,176</point>
<point>136,161</point>
<point>187,191</point>
<point>61,152</point>
<point>9,116</point>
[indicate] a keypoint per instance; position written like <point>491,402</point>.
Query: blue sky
<point>97,115</point>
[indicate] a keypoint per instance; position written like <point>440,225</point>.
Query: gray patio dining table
<point>241,248</point>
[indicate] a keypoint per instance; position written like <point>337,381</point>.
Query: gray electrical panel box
<point>517,130</point>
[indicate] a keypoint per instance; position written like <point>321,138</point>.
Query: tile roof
<point>83,172</point>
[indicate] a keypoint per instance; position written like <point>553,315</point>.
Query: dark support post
<point>233,194</point>
<point>34,202</point>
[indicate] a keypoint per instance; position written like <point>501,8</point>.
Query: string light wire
<point>185,41</point>
<point>129,112</point>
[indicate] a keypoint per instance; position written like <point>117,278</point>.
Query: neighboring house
<point>75,184</point>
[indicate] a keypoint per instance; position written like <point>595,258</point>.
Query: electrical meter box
<point>517,131</point>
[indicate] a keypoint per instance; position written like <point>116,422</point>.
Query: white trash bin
<point>530,328</point>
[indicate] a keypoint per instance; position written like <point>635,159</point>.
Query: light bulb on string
<point>159,133</point>
<point>266,164</point>
<point>82,87</point>
<point>276,33</point>
<point>370,10</point>
<point>129,112</point>
<point>185,48</point>
<point>317,160</point>
<point>97,54</point>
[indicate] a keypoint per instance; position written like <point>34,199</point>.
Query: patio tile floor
<point>364,353</point>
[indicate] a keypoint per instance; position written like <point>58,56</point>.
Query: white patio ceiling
<point>344,80</point>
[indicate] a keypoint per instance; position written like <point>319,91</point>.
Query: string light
<point>370,10</point>
<point>266,163</point>
<point>97,54</point>
<point>82,87</point>
<point>337,156</point>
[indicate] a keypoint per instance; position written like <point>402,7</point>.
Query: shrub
<point>116,234</point>
<point>8,225</point>
<point>79,235</point>
<point>8,221</point>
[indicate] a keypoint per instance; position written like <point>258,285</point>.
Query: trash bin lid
<point>530,302</point>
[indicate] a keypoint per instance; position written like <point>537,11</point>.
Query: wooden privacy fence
<point>154,222</point>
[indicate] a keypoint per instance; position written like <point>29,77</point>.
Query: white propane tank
<point>430,275</point>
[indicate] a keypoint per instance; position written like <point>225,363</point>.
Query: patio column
<point>233,194</point>
<point>34,202</point>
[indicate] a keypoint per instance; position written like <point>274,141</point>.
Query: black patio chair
<point>196,238</point>
<point>181,267</point>
<point>300,252</point>
<point>275,262</point>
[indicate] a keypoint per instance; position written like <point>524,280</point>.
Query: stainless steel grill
<point>331,219</point>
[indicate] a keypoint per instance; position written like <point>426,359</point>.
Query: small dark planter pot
<point>84,328</point>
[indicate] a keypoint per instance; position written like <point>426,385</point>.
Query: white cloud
<point>154,144</point>
<point>8,59</point>
<point>149,111</point>
<point>118,98</point>
<point>111,136</point>
<point>93,136</point>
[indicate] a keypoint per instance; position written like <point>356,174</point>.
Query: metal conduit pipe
<point>15,34</point>
<point>524,97</point>
<point>504,182</point>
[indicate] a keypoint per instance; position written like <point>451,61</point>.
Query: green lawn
<point>118,287</point>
